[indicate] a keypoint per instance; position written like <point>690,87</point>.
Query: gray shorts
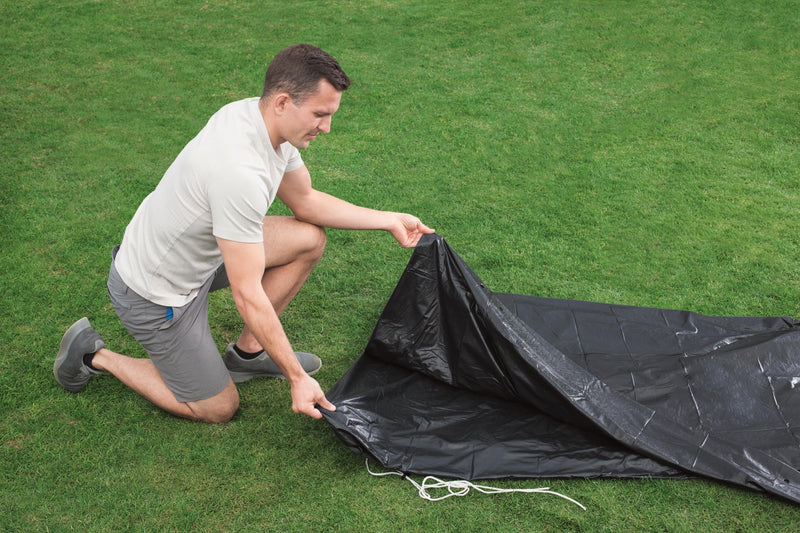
<point>177,339</point>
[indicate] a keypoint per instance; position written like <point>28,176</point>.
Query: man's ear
<point>280,101</point>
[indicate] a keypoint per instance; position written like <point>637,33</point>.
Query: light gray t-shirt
<point>220,185</point>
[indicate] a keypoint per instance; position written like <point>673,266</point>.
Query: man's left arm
<point>322,209</point>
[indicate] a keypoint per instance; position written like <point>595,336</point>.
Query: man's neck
<point>269,123</point>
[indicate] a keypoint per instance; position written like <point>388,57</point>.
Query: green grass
<point>641,153</point>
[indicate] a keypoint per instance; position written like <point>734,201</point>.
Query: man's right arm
<point>244,265</point>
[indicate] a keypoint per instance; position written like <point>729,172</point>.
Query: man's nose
<point>325,125</point>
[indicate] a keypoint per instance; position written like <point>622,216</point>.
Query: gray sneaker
<point>69,368</point>
<point>262,366</point>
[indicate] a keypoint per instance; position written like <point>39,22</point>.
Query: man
<point>204,227</point>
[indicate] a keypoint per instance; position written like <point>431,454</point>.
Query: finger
<point>312,412</point>
<point>425,229</point>
<point>325,404</point>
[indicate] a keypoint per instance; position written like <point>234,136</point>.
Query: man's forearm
<point>323,209</point>
<point>261,319</point>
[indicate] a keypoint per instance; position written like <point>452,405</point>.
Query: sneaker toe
<point>310,362</point>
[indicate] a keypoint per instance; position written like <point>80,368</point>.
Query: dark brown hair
<point>298,70</point>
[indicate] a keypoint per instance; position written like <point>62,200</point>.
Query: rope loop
<point>460,487</point>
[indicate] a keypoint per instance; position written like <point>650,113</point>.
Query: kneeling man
<point>204,228</point>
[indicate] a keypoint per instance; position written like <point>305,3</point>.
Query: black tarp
<point>462,382</point>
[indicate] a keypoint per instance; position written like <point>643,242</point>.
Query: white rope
<point>460,487</point>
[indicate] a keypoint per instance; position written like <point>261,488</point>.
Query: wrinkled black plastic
<point>459,381</point>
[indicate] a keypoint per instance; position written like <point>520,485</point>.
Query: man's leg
<point>142,376</point>
<point>184,375</point>
<point>292,250</point>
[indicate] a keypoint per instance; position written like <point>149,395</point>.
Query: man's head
<point>298,69</point>
<point>302,91</point>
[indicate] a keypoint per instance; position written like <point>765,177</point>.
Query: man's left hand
<point>409,230</point>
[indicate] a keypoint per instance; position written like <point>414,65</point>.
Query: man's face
<point>303,122</point>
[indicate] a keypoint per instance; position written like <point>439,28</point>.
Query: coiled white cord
<point>460,487</point>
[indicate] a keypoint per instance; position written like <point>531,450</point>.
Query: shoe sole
<point>63,350</point>
<point>239,377</point>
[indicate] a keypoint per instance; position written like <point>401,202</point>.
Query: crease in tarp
<point>459,381</point>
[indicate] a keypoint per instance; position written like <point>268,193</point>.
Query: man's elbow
<point>304,214</point>
<point>249,302</point>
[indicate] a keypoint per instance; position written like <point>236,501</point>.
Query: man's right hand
<point>306,394</point>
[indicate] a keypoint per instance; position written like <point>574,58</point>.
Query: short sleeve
<point>293,158</point>
<point>238,206</point>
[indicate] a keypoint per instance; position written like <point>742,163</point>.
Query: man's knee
<point>217,409</point>
<point>221,414</point>
<point>316,238</point>
<point>310,240</point>
<point>287,239</point>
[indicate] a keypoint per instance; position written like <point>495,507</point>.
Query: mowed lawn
<point>640,153</point>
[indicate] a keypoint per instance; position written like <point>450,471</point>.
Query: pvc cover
<point>461,382</point>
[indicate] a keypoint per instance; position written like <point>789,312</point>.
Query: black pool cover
<point>462,382</point>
